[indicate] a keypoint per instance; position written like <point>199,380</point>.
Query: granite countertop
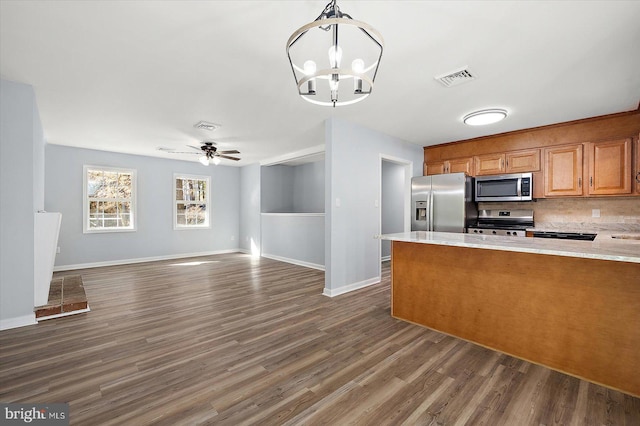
<point>604,247</point>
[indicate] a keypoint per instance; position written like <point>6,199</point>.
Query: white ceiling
<point>133,76</point>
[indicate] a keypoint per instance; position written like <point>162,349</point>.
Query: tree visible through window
<point>191,201</point>
<point>109,203</point>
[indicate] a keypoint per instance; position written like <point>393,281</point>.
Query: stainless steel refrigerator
<point>442,203</point>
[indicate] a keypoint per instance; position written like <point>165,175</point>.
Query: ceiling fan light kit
<point>335,58</point>
<point>208,153</point>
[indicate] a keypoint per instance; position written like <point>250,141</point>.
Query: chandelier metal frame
<point>331,19</point>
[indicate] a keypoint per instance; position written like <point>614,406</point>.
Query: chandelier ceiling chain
<point>318,71</point>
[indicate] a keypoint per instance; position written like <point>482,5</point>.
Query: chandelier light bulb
<point>204,160</point>
<point>310,67</point>
<point>215,161</point>
<point>335,56</point>
<point>357,66</point>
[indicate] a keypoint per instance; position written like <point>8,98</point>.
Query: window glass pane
<point>110,199</point>
<point>191,202</point>
<point>94,180</point>
<point>124,185</point>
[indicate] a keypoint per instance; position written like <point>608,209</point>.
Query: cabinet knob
<point>638,177</point>
<point>591,181</point>
<point>579,182</point>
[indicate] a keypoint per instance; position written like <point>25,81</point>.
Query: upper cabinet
<point>490,164</point>
<point>523,161</point>
<point>636,176</point>
<point>508,162</point>
<point>609,167</point>
<point>606,171</point>
<point>563,171</point>
<point>455,165</point>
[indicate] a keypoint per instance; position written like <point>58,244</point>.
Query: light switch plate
<point>595,212</point>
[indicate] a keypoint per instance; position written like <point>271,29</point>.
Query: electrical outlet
<point>595,212</point>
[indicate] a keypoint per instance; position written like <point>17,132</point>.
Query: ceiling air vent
<point>206,126</point>
<point>456,77</point>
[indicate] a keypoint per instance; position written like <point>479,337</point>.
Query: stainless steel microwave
<point>511,187</point>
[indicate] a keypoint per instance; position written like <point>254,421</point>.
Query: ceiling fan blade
<point>233,151</point>
<point>182,152</point>
<point>228,158</point>
<point>195,147</point>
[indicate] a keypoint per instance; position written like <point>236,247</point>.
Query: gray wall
<point>250,209</point>
<point>295,238</point>
<point>392,202</point>
<point>308,187</point>
<point>353,176</point>
<point>297,189</point>
<point>21,195</point>
<point>276,189</point>
<point>155,236</point>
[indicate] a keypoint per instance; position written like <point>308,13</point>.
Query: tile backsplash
<point>616,213</point>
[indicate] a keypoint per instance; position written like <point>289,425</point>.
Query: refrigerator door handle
<point>431,210</point>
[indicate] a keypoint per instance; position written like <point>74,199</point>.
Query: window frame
<point>176,201</point>
<point>86,229</point>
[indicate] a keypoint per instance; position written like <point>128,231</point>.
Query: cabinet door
<point>563,171</point>
<point>490,164</point>
<point>436,168</point>
<point>464,165</point>
<point>636,176</point>
<point>610,167</point>
<point>523,161</point>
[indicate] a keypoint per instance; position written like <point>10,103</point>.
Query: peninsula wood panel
<point>579,316</point>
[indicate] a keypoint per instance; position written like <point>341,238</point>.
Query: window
<point>191,207</point>
<point>109,199</point>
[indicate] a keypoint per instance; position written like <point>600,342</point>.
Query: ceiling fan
<point>208,153</point>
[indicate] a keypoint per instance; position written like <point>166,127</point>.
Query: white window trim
<point>207,225</point>
<point>85,200</point>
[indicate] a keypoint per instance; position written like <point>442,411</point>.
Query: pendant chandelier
<point>319,51</point>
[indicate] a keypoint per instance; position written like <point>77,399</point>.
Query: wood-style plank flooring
<point>231,340</point>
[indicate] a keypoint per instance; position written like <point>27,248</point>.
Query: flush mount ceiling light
<point>484,117</point>
<point>319,50</point>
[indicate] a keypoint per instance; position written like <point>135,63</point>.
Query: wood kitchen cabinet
<point>522,161</point>
<point>636,176</point>
<point>509,162</point>
<point>455,165</point>
<point>489,164</point>
<point>563,171</point>
<point>609,167</point>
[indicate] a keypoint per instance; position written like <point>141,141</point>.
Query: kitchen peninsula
<point>573,306</point>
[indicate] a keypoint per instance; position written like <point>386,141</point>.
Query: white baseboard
<point>385,258</point>
<point>15,322</point>
<point>294,261</point>
<point>350,287</point>
<point>140,260</point>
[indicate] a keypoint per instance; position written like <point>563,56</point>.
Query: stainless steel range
<point>503,222</point>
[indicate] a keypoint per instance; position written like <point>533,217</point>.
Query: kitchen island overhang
<point>572,306</point>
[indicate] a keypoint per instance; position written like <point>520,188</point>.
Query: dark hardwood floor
<point>232,340</point>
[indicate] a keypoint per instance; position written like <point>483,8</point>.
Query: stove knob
<point>480,231</point>
<point>508,233</point>
<point>494,232</point>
